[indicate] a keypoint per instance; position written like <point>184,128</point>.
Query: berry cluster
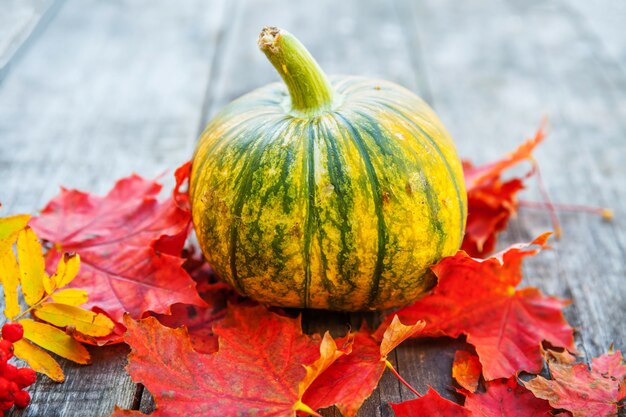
<point>13,380</point>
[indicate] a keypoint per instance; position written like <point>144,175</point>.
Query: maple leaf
<point>430,405</point>
<point>490,200</point>
<point>262,368</point>
<point>583,392</point>
<point>478,298</point>
<point>349,381</point>
<point>129,243</point>
<point>489,210</point>
<point>181,197</point>
<point>199,321</point>
<point>506,398</point>
<point>466,370</point>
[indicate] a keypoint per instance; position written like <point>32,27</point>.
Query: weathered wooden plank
<point>495,68</point>
<point>603,26</point>
<point>112,88</point>
<point>18,19</point>
<point>116,87</point>
<point>88,391</point>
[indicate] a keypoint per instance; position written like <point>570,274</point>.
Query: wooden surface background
<point>91,91</point>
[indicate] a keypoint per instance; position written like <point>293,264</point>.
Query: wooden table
<point>91,91</point>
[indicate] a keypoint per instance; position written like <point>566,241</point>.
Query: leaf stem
<point>605,213</point>
<point>543,190</point>
<point>406,384</point>
<point>300,406</point>
<point>33,307</point>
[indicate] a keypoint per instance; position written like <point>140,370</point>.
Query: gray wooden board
<point>108,89</point>
<point>126,87</point>
<point>18,19</point>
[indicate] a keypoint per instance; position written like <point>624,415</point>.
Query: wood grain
<point>19,20</point>
<point>111,88</point>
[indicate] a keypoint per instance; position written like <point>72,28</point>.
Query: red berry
<point>5,394</point>
<point>12,332</point>
<point>25,377</point>
<point>13,389</point>
<point>4,357</point>
<point>10,372</point>
<point>5,405</point>
<point>6,347</point>
<point>22,399</point>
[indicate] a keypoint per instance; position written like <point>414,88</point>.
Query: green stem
<point>310,90</point>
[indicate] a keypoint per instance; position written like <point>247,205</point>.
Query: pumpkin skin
<point>343,208</point>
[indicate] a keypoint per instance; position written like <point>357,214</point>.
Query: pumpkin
<point>333,193</point>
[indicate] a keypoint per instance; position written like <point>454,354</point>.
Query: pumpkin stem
<point>310,90</point>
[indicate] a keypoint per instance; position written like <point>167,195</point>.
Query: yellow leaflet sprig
<point>46,300</point>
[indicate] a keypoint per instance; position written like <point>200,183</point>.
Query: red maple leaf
<point>466,370</point>
<point>583,392</point>
<point>506,398</point>
<point>181,198</point>
<point>478,298</point>
<point>430,405</point>
<point>198,320</point>
<point>262,368</point>
<point>490,200</point>
<point>129,244</point>
<point>349,381</point>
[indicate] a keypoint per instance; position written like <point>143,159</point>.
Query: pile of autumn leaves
<point>129,277</point>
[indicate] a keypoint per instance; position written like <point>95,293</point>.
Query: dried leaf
<point>55,340</point>
<point>489,209</point>
<point>581,391</point>
<point>182,174</point>
<point>349,381</point>
<point>10,278</point>
<point>477,176</point>
<point>31,262</point>
<point>134,413</point>
<point>492,201</point>
<point>506,398</point>
<point>478,298</point>
<point>258,370</point>
<point>129,244</point>
<point>70,297</point>
<point>39,360</point>
<point>9,228</point>
<point>199,321</point>
<point>67,269</point>
<point>466,370</point>
<point>84,321</point>
<point>397,333</point>
<point>116,336</point>
<point>430,405</point>
<point>610,365</point>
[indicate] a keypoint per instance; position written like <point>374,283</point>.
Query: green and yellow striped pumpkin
<point>326,193</point>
